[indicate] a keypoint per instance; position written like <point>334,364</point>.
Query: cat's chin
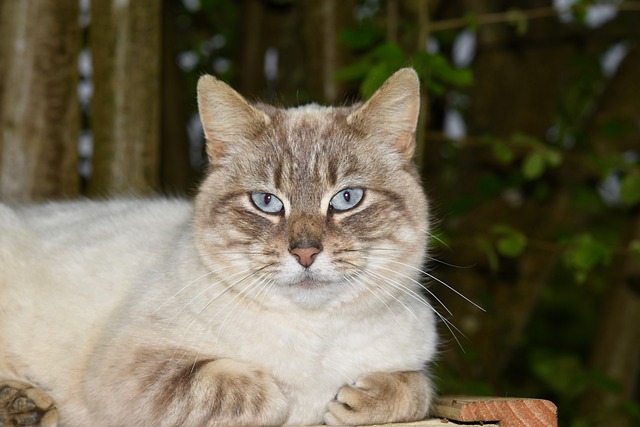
<point>312,293</point>
<point>311,284</point>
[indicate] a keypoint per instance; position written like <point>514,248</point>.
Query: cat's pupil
<point>347,196</point>
<point>267,199</point>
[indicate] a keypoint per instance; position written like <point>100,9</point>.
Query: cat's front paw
<point>217,392</point>
<point>382,398</point>
<point>22,404</point>
<point>242,394</point>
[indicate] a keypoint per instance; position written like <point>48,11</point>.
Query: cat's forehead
<point>314,135</point>
<point>307,150</point>
<point>313,119</point>
<point>314,129</point>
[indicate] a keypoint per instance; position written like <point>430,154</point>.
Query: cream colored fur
<point>156,312</point>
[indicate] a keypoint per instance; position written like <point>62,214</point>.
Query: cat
<point>287,293</point>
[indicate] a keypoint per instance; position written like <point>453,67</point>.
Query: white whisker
<point>206,289</point>
<point>408,291</point>
<point>432,277</point>
<point>420,285</point>
<point>430,258</point>
<point>188,285</point>
<point>211,301</point>
<point>237,299</point>
<point>221,326</point>
<point>373,293</point>
<point>434,237</point>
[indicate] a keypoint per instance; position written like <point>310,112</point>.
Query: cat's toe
<point>381,398</point>
<point>349,407</point>
<point>21,404</point>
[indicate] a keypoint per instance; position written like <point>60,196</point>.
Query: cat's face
<point>312,205</point>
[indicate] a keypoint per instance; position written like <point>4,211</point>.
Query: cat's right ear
<point>227,118</point>
<point>392,112</point>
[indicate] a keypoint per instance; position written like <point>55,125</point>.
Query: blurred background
<point>529,147</point>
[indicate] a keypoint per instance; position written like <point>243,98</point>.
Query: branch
<point>514,15</point>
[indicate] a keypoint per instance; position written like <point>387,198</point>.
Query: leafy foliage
<point>380,59</point>
<point>584,253</point>
<point>511,243</point>
<point>570,200</point>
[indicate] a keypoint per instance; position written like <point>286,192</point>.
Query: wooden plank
<point>452,411</point>
<point>509,412</point>
<point>432,422</point>
<point>436,422</point>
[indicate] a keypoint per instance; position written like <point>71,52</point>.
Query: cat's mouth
<point>310,280</point>
<point>311,284</point>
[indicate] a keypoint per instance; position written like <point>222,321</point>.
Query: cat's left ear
<point>392,112</point>
<point>229,121</point>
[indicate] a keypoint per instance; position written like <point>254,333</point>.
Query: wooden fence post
<point>125,110</point>
<point>39,111</point>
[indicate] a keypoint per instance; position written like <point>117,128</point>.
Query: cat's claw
<point>381,398</point>
<point>21,404</point>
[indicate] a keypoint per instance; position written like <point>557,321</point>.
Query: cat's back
<point>65,266</point>
<point>86,238</point>
<point>88,216</point>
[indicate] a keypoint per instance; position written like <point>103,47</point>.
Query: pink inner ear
<point>215,149</point>
<point>405,144</point>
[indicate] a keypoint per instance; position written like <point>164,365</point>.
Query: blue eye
<point>267,202</point>
<point>347,199</point>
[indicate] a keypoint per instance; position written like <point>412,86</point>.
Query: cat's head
<point>313,205</point>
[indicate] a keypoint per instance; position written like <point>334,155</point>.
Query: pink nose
<point>305,256</point>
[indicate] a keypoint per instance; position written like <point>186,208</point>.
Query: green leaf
<point>518,19</point>
<point>487,249</point>
<point>436,68</point>
<point>374,79</point>
<point>584,253</point>
<point>534,165</point>
<point>501,150</point>
<point>525,140</point>
<point>440,68</point>
<point>354,71</point>
<point>579,10</point>
<point>435,87</point>
<point>511,242</point>
<point>472,20</point>
<point>630,189</point>
<point>553,157</point>
<point>362,37</point>
<point>503,153</point>
<point>390,53</point>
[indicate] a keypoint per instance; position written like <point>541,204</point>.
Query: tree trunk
<point>423,13</point>
<point>125,111</point>
<point>616,347</point>
<point>251,52</point>
<point>325,55</point>
<point>39,111</point>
